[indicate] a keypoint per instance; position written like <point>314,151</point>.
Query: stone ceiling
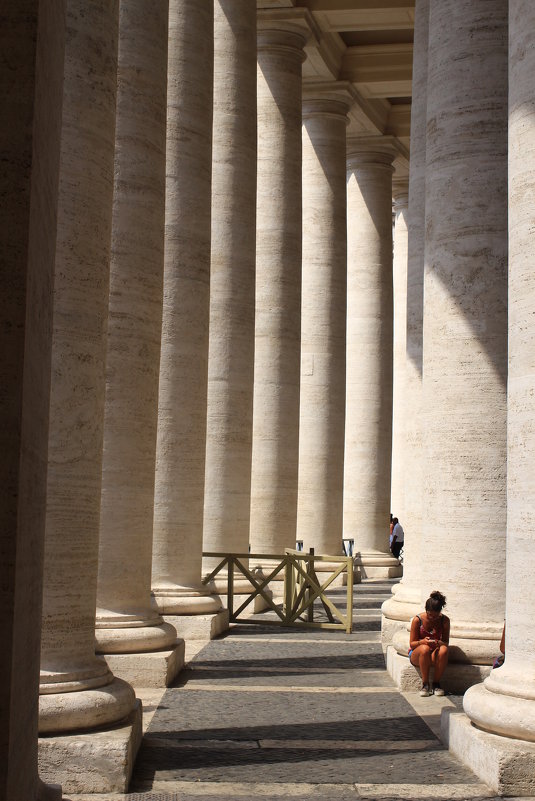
<point>365,46</point>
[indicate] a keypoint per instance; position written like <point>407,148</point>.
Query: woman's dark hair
<point>435,602</point>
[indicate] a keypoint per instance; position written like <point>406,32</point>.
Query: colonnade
<point>189,369</point>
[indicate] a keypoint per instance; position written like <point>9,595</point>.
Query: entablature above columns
<point>383,70</point>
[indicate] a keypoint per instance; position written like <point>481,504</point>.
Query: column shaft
<point>181,440</point>
<point>323,324</point>
<point>405,601</point>
<point>31,80</point>
<point>400,408</point>
<point>465,322</point>
<point>125,620</point>
<point>278,291</point>
<point>505,703</point>
<point>368,437</point>
<point>77,689</point>
<point>232,285</point>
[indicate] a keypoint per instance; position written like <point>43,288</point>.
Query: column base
<point>133,639</point>
<point>500,707</point>
<point>49,792</point>
<point>200,627</point>
<point>389,628</point>
<point>374,564</point>
<point>154,669</point>
<point>185,601</point>
<point>456,679</point>
<point>93,762</point>
<point>505,764</point>
<point>85,709</point>
<point>397,611</point>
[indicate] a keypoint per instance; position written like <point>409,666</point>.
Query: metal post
<point>310,572</point>
<point>230,588</point>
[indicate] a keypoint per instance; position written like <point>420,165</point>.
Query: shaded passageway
<point>268,713</point>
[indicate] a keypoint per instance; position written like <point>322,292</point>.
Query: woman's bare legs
<point>421,657</point>
<point>439,658</point>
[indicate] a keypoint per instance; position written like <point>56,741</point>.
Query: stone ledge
<point>505,764</point>
<point>362,572</point>
<point>152,669</point>
<point>199,627</point>
<point>456,679</point>
<point>99,761</point>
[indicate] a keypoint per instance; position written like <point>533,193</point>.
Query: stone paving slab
<point>327,792</point>
<point>260,632</point>
<point>335,664</point>
<point>271,677</point>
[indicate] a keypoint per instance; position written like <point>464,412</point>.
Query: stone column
<point>278,288</point>
<point>125,621</point>
<point>78,691</point>
<point>181,440</point>
<point>405,601</point>
<point>31,82</point>
<point>323,324</point>
<point>400,407</point>
<point>465,323</point>
<point>368,435</point>
<point>232,286</point>
<point>505,703</point>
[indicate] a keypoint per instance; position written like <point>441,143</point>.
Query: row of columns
<point>198,345</point>
<point>466,387</point>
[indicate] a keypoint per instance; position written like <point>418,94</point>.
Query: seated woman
<point>429,638</point>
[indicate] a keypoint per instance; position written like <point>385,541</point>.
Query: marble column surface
<point>465,322</point>
<point>227,492</point>
<point>181,439</point>
<point>31,81</point>
<point>125,620</point>
<point>400,407</point>
<point>505,703</point>
<point>323,324</point>
<point>77,689</point>
<point>405,601</point>
<point>278,290</point>
<point>368,432</point>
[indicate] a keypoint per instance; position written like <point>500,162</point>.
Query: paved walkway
<point>269,714</point>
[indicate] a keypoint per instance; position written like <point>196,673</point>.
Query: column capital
<point>326,98</point>
<point>377,150</point>
<point>325,107</point>
<point>286,28</point>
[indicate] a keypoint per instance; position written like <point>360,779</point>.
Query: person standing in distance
<point>398,538</point>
